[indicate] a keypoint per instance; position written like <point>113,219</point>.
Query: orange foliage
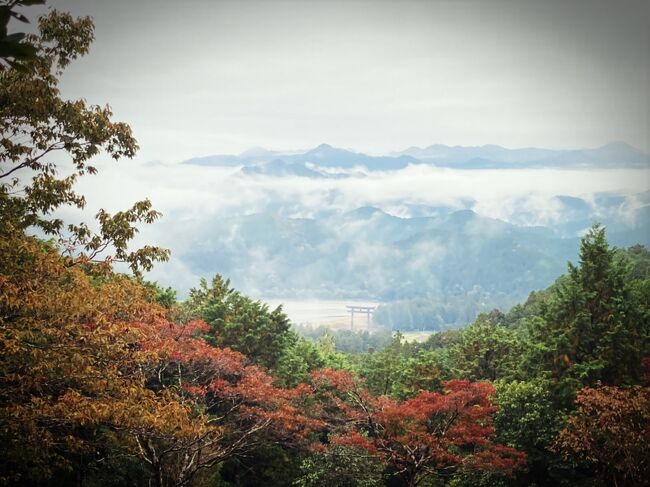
<point>610,429</point>
<point>89,364</point>
<point>430,433</point>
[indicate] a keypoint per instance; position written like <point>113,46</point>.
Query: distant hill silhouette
<point>326,161</point>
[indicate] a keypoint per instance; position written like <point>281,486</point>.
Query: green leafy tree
<point>527,419</point>
<point>640,257</point>
<point>239,322</point>
<point>348,341</point>
<point>164,296</point>
<point>486,350</point>
<point>332,359</point>
<point>402,369</point>
<point>340,466</point>
<point>296,362</point>
<point>441,340</point>
<point>383,370</point>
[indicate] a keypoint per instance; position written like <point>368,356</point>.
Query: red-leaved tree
<point>235,406</point>
<point>429,434</point>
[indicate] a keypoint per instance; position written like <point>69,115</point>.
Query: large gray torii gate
<point>367,310</point>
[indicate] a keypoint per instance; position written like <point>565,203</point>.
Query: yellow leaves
<point>9,297</point>
<point>87,358</point>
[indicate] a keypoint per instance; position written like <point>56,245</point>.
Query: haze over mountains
<point>436,234</point>
<point>454,264</point>
<point>327,161</point>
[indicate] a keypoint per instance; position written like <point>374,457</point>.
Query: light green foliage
<point>332,359</point>
<point>527,419</point>
<point>402,369</point>
<point>340,466</point>
<point>296,361</point>
<point>441,340</point>
<point>384,369</point>
<point>348,341</point>
<point>163,296</point>
<point>239,322</point>
<point>486,350</point>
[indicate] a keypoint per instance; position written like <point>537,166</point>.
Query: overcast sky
<point>204,77</point>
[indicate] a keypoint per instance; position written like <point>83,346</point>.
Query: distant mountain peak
<point>619,145</point>
<point>322,147</point>
<point>615,154</point>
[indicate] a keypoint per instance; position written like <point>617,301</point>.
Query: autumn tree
<point>610,429</point>
<point>68,362</point>
<point>237,408</point>
<point>430,434</point>
<point>92,371</point>
<point>47,143</point>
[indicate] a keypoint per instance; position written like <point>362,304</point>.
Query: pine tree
<point>595,326</point>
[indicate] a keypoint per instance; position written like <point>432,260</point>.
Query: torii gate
<point>367,310</point>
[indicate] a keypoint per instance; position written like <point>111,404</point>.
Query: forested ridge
<point>108,379</point>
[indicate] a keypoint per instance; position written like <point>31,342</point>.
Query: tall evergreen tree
<point>239,322</point>
<point>595,326</point>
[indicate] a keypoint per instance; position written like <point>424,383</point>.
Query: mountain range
<point>434,262</point>
<point>326,161</point>
<point>447,267</point>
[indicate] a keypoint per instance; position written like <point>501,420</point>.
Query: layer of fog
<point>191,197</point>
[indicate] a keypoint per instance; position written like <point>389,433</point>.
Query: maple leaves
<point>66,359</point>
<point>90,366</point>
<point>431,433</point>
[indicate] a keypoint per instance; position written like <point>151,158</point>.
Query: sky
<point>205,77</point>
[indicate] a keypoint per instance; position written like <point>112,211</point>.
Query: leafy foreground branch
<point>43,135</point>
